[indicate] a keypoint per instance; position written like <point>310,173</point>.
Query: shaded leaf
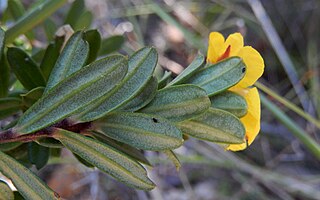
<point>50,57</point>
<point>94,39</point>
<point>75,12</point>
<point>143,97</point>
<point>31,97</point>
<point>72,58</point>
<point>220,76</point>
<point>74,93</point>
<point>231,102</point>
<point>84,21</point>
<point>140,69</point>
<point>106,158</point>
<point>111,44</point>
<point>216,126</point>
<point>165,79</point>
<point>4,68</point>
<point>196,64</point>
<point>50,28</point>
<point>9,106</point>
<point>38,155</point>
<point>27,183</point>
<point>147,132</point>
<point>178,103</point>
<point>25,69</point>
<point>9,146</point>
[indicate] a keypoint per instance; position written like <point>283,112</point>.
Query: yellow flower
<point>219,49</point>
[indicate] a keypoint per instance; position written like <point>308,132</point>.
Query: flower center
<point>226,54</point>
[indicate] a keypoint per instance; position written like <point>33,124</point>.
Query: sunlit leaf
<point>178,103</point>
<point>28,184</point>
<point>74,93</point>
<point>106,158</point>
<point>147,132</point>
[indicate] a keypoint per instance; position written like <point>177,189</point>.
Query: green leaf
<point>50,57</point>
<point>111,44</point>
<point>5,191</point>
<point>74,93</point>
<point>27,183</point>
<point>147,132</point>
<point>9,146</point>
<point>50,143</point>
<point>25,69</point>
<point>141,67</point>
<point>216,126</point>
<point>72,58</point>
<point>4,68</point>
<point>76,9</point>
<point>84,21</point>
<point>165,79</point>
<point>220,76</point>
<point>38,155</point>
<point>33,18</point>
<point>17,10</point>
<point>50,28</point>
<point>127,149</point>
<point>94,39</point>
<point>106,158</point>
<point>178,103</point>
<point>9,106</point>
<point>231,102</point>
<point>173,157</point>
<point>31,97</point>
<point>196,64</point>
<point>143,97</point>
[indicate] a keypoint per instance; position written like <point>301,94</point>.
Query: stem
<point>9,136</point>
<point>33,18</point>
<point>303,136</point>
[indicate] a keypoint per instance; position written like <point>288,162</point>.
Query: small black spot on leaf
<point>154,120</point>
<point>243,70</point>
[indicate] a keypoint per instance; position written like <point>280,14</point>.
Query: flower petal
<point>216,46</point>
<point>251,120</point>
<point>255,66</point>
<point>235,40</point>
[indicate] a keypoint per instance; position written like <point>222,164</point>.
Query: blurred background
<point>282,163</point>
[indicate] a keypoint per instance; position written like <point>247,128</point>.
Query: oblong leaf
<point>147,132</point>
<point>231,102</point>
<point>143,97</point>
<point>84,21</point>
<point>25,69</point>
<point>140,70</point>
<point>5,192</point>
<point>220,76</point>
<point>27,183</point>
<point>4,68</point>
<point>74,93</point>
<point>127,149</point>
<point>75,12</point>
<point>94,39</point>
<point>194,66</point>
<point>178,103</point>
<point>216,126</point>
<point>106,158</point>
<point>9,106</point>
<point>38,155</point>
<point>31,97</point>
<point>165,79</point>
<point>72,58</point>
<point>111,44</point>
<point>50,56</point>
